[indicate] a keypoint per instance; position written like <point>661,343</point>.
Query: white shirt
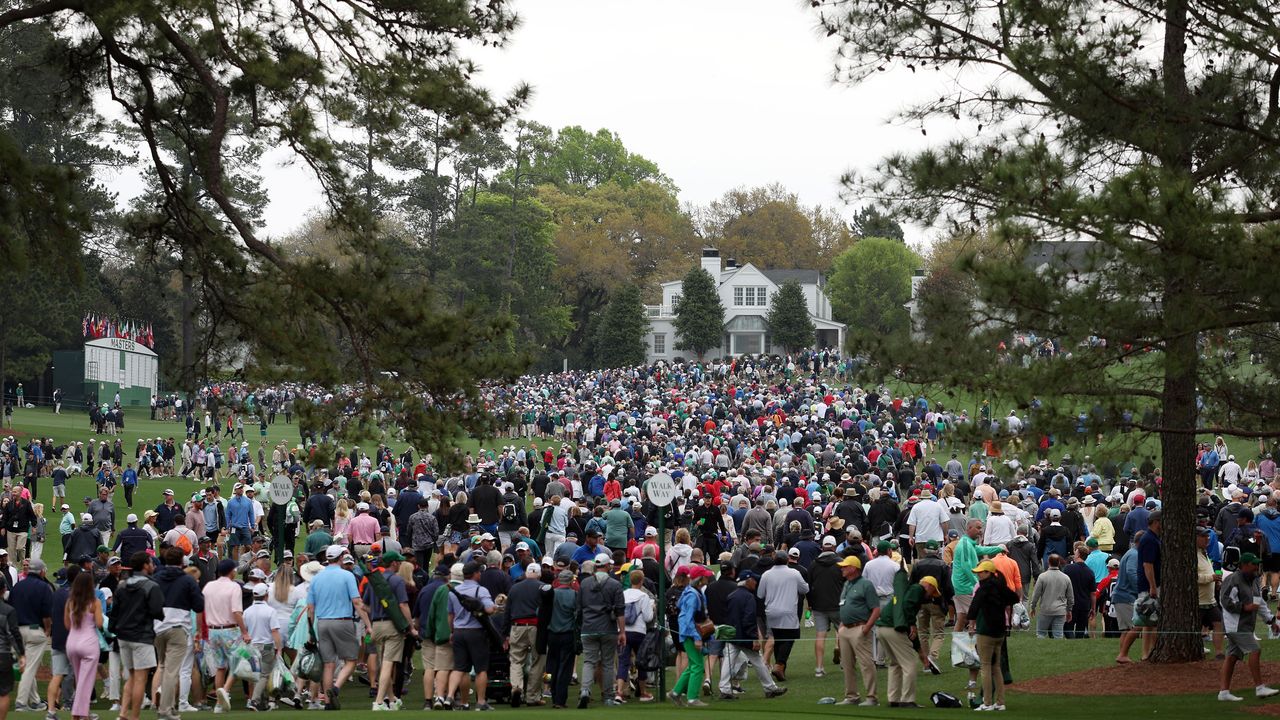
<point>1000,529</point>
<point>260,620</point>
<point>930,520</point>
<point>880,571</point>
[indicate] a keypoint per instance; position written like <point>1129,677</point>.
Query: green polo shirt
<point>857,601</point>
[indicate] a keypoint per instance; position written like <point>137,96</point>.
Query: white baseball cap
<point>131,518</point>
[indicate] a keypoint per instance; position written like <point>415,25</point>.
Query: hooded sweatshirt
<point>138,603</point>
<point>181,594</point>
<point>825,582</point>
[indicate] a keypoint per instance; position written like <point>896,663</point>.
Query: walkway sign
<point>661,489</point>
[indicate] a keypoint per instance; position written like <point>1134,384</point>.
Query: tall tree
<point>577,160</point>
<point>790,326</point>
<point>870,221</point>
<point>1145,135</point>
<point>622,327</point>
<point>768,226</point>
<point>611,236</point>
<point>870,285</point>
<point>699,320</point>
<point>207,74</point>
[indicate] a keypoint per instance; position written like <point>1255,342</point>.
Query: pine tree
<point>699,315</point>
<point>621,331</point>
<point>790,326</point>
<point>1158,161</point>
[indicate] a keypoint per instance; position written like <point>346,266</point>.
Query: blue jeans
<point>1050,626</point>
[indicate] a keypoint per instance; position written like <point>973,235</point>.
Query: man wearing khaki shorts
<point>138,603</point>
<point>388,640</point>
<point>432,622</point>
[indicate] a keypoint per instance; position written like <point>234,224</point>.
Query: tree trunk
<point>1179,629</point>
<point>187,371</point>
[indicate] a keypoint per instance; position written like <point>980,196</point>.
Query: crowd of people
<point>536,567</point>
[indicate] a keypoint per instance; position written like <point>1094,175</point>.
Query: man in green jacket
<point>963,580</point>
<point>896,631</point>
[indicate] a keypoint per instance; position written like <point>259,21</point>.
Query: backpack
<point>672,602</point>
<point>183,543</point>
<point>509,512</point>
<point>631,612</point>
<point>945,700</point>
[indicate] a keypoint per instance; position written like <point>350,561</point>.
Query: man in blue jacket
<point>744,648</point>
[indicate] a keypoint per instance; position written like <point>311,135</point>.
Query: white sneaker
<point>188,707</point>
<point>115,707</point>
<point>1226,696</point>
<point>1264,691</point>
<point>395,704</point>
<point>380,707</point>
<point>983,708</point>
<point>224,699</point>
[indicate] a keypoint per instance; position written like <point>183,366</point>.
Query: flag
<point>84,326</point>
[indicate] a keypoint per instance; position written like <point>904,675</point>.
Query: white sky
<point>719,93</point>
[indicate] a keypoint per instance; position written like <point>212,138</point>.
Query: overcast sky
<point>719,93</point>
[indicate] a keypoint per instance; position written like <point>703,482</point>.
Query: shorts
<point>1242,644</point>
<point>6,678</point>
<point>713,648</point>
<point>962,603</point>
<point>824,621</point>
<point>221,643</point>
<point>337,639</point>
<point>240,536</point>
<point>60,490</point>
<point>60,664</point>
<point>437,657</point>
<point>1271,563</point>
<point>1124,616</point>
<point>470,650</point>
<point>1209,615</point>
<point>388,640</point>
<point>137,655</point>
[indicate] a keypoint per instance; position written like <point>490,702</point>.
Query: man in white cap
<point>362,530</point>
<point>67,525</point>
<point>604,629</point>
<point>333,601</point>
<point>132,539</point>
<point>523,604</point>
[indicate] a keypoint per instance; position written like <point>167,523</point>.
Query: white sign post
<point>662,491</point>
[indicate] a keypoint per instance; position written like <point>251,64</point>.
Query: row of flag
<point>97,326</point>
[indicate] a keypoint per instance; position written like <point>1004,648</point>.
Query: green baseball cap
<point>1248,559</point>
<point>1091,542</point>
<point>391,556</point>
<point>883,546</point>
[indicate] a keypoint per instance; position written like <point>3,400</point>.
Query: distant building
<point>745,293</point>
<point>1075,260</point>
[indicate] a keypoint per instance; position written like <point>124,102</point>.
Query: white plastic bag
<point>281,678</point>
<point>964,651</point>
<point>1020,620</point>
<point>245,664</point>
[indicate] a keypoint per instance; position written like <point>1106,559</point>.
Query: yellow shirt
<point>1105,533</point>
<point>1204,579</point>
